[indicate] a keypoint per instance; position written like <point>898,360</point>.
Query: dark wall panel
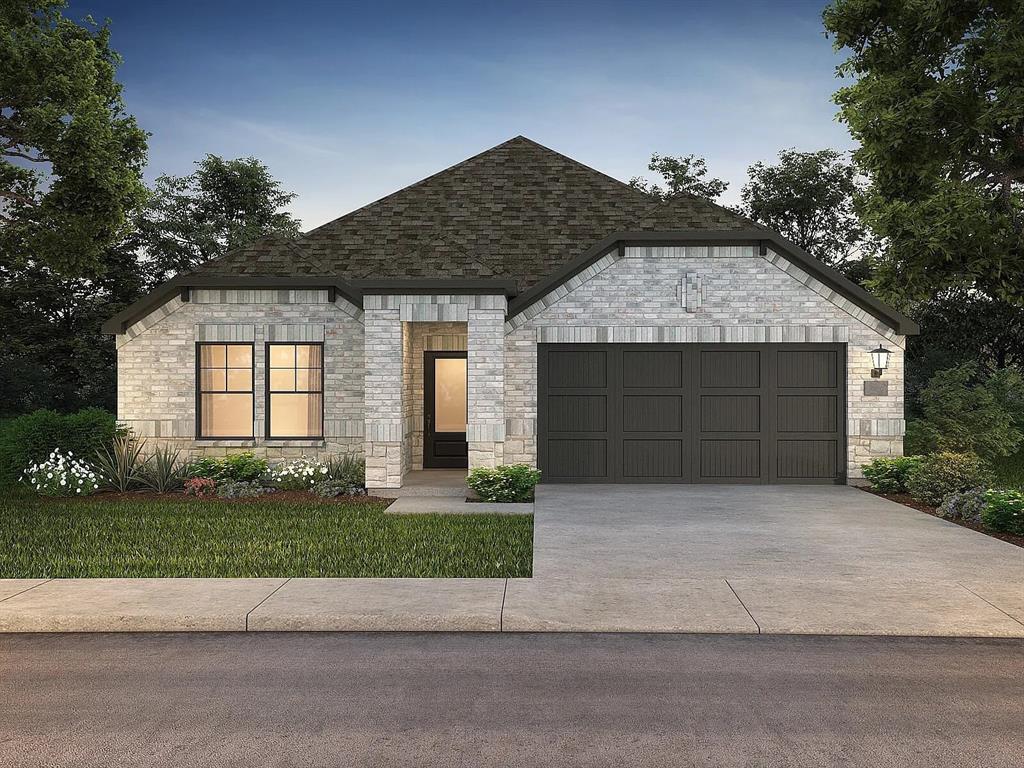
<point>807,459</point>
<point>730,368</point>
<point>730,413</point>
<point>577,458</point>
<point>652,413</point>
<point>577,413</point>
<point>730,458</point>
<point>655,459</point>
<point>653,368</point>
<point>578,368</point>
<point>807,368</point>
<point>808,413</point>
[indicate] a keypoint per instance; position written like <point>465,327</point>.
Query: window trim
<point>199,389</point>
<point>266,389</point>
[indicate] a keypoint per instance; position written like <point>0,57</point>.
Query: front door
<point>444,410</point>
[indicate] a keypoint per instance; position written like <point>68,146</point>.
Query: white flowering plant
<point>62,475</point>
<point>297,475</point>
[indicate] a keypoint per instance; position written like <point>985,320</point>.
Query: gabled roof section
<point>517,211</point>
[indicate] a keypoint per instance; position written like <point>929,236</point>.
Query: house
<point>522,307</point>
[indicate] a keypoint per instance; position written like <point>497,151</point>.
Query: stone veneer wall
<point>397,330</point>
<point>705,294</point>
<point>156,366</point>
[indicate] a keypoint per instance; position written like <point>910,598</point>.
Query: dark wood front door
<point>444,410</point>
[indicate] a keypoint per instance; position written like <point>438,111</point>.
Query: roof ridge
<point>576,162</point>
<point>415,184</point>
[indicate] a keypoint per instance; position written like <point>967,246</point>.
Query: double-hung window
<point>295,390</point>
<point>224,390</point>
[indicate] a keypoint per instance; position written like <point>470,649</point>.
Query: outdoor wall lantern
<point>879,361</point>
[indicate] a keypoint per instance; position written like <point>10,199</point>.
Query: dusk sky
<point>347,102</point>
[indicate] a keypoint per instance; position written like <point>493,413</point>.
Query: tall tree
<point>681,176</point>
<point>808,197</point>
<point>937,105</point>
<point>70,158</point>
<point>224,204</point>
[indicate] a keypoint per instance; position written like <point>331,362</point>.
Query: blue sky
<point>347,102</point>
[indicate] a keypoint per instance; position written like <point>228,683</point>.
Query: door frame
<point>430,461</point>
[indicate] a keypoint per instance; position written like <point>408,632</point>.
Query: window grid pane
<point>226,397</point>
<point>294,386</point>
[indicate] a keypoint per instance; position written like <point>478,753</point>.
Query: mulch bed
<point>909,501</point>
<point>277,497</point>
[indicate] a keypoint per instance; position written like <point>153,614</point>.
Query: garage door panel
<point>728,459</point>
<point>652,368</point>
<point>807,459</point>
<point>800,368</point>
<point>730,413</point>
<point>808,413</point>
<point>578,458</point>
<point>652,413</point>
<point>578,368</point>
<point>577,413</point>
<point>713,413</point>
<point>652,459</point>
<point>730,368</point>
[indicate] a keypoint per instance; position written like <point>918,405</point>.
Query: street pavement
<point>474,699</point>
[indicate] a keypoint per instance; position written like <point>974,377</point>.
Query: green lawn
<point>42,538</point>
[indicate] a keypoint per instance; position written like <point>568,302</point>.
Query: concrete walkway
<point>746,559</point>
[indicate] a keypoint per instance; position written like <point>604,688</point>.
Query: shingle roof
<point>517,211</point>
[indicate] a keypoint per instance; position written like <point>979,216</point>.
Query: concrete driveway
<point>814,559</point>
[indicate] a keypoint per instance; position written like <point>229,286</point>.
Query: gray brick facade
<point>635,298</point>
<point>373,357</point>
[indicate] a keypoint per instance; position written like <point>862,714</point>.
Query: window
<point>224,393</point>
<point>295,387</point>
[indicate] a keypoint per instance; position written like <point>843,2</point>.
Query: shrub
<point>329,489</point>
<point>966,506</point>
<point>514,482</point>
<point>347,470</point>
<point>240,489</point>
<point>941,474</point>
<point>30,439</point>
<point>298,475</point>
<point>120,465</point>
<point>163,472</point>
<point>61,475</point>
<point>889,475</point>
<point>200,487</point>
<point>237,466</point>
<point>1004,511</point>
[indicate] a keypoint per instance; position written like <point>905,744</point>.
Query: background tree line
<point>928,211</point>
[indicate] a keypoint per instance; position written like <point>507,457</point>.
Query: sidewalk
<point>779,606</point>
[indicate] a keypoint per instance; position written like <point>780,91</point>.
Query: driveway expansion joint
<point>744,606</point>
<point>1008,615</point>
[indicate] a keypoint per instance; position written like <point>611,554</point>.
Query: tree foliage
<point>964,411</point>
<point>808,198</point>
<point>54,355</point>
<point>961,326</point>
<point>224,204</point>
<point>71,159</point>
<point>681,176</point>
<point>937,105</point>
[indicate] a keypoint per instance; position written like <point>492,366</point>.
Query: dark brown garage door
<point>690,413</point>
